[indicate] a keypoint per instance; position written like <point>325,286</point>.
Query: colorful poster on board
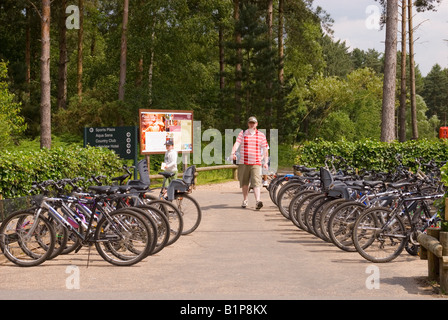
<point>160,126</point>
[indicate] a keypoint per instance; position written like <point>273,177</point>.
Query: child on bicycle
<point>170,161</point>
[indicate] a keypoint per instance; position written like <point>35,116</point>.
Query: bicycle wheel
<point>301,209</point>
<point>174,216</point>
<point>190,210</point>
<point>124,237</point>
<point>419,218</point>
<point>294,206</point>
<point>379,235</point>
<point>318,216</point>
<point>286,194</point>
<point>25,240</point>
<point>273,187</point>
<point>61,234</point>
<point>340,224</point>
<point>325,215</point>
<point>76,218</point>
<point>310,210</point>
<point>161,223</point>
<point>277,187</point>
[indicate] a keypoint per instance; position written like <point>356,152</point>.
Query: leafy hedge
<point>20,168</point>
<point>373,155</point>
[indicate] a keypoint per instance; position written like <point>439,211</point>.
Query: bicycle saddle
<point>167,174</point>
<point>399,185</point>
<point>100,189</point>
<point>373,183</point>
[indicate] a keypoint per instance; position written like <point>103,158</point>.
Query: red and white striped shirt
<point>251,146</point>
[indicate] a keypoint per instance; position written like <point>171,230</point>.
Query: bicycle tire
<point>191,213</point>
<point>73,240</point>
<point>15,228</point>
<point>418,220</point>
<point>379,236</point>
<point>124,237</point>
<point>174,217</point>
<point>161,223</point>
<point>272,184</point>
<point>327,210</point>
<point>61,239</point>
<point>285,195</point>
<point>280,183</point>
<point>301,206</point>
<point>310,210</point>
<point>294,206</point>
<point>341,222</point>
<point>318,216</point>
<point>276,187</point>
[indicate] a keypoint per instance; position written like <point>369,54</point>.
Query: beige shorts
<point>249,173</point>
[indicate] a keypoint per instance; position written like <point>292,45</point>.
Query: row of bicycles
<point>126,221</point>
<point>377,214</point>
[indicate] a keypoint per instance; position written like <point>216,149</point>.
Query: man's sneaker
<point>244,204</point>
<point>259,205</point>
<point>265,183</point>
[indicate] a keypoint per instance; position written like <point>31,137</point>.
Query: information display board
<point>122,140</point>
<point>160,126</point>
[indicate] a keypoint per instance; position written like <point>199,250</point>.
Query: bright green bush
<point>373,155</point>
<point>18,169</point>
<point>12,124</point>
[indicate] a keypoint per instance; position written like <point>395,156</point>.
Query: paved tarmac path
<point>234,254</point>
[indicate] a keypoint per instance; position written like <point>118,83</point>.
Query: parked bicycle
<point>380,234</point>
<point>177,193</point>
<point>121,237</point>
<point>327,203</point>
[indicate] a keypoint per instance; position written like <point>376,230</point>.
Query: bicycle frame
<point>402,204</point>
<point>55,214</point>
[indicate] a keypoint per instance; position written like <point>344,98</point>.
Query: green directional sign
<point>122,140</point>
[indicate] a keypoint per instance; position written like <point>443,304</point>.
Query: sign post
<point>122,140</point>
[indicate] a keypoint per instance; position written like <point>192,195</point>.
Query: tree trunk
<point>139,77</point>
<point>221,57</point>
<point>412,74</point>
<point>222,65</point>
<point>402,110</point>
<point>80,48</point>
<point>238,66</point>
<point>390,73</point>
<point>269,110</point>
<point>45,100</point>
<point>151,62</point>
<point>123,50</point>
<point>62,78</point>
<point>28,50</point>
<point>150,77</point>
<point>281,56</point>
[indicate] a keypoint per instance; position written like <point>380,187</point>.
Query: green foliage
<point>444,174</point>
<point>19,169</point>
<point>434,91</point>
<point>11,121</point>
<point>373,155</point>
<point>174,60</point>
<point>92,111</point>
<point>349,108</point>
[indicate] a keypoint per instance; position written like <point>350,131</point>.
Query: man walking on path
<point>253,154</point>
